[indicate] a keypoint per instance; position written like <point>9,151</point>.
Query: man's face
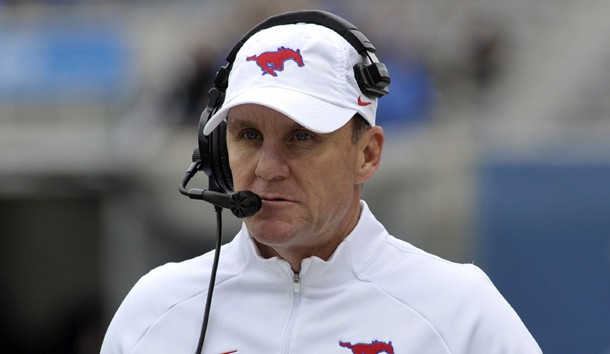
<point>309,182</point>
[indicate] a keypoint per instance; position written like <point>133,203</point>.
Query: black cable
<point>208,302</point>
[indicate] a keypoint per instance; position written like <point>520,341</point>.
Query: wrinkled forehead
<point>251,115</point>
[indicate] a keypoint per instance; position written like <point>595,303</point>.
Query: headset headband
<point>343,27</point>
<point>375,79</point>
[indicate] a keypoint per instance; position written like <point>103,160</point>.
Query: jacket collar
<point>353,255</point>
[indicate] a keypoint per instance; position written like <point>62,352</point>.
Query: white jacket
<point>376,293</point>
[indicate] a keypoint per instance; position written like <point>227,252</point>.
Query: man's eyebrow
<point>236,123</point>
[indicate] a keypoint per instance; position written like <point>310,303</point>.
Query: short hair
<point>359,126</point>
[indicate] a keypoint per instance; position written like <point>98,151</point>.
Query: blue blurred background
<point>497,152</point>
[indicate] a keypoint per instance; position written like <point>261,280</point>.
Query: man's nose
<point>272,162</point>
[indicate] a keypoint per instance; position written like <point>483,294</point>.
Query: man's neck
<point>294,255</point>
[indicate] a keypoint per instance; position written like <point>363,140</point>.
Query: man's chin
<point>271,231</point>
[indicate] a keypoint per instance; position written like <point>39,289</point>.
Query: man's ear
<point>370,147</point>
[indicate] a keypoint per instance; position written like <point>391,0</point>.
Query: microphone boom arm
<point>242,204</point>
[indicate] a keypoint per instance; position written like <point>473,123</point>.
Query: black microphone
<point>242,204</point>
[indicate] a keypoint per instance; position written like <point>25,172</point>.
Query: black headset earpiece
<point>372,78</point>
<point>212,151</point>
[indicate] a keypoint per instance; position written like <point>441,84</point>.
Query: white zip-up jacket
<point>376,294</point>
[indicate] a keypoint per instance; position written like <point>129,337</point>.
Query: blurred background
<point>497,153</point>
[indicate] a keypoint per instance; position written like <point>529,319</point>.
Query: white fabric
<point>321,94</point>
<point>374,288</point>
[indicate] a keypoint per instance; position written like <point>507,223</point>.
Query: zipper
<point>296,283</point>
<point>294,310</point>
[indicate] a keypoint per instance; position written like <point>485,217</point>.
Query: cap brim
<point>311,112</point>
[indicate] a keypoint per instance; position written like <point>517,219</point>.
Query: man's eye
<point>302,136</point>
<point>250,135</point>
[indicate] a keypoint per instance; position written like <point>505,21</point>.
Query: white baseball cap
<point>304,71</point>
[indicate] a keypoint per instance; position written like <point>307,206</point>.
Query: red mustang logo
<point>270,62</point>
<point>375,347</point>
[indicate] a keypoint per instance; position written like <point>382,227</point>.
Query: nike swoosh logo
<point>232,351</point>
<point>362,103</point>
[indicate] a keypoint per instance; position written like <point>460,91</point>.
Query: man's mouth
<point>274,198</point>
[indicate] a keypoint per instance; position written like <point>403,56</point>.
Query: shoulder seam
<point>386,242</point>
<point>424,318</point>
<point>153,323</point>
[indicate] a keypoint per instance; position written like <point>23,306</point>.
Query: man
<point>313,271</point>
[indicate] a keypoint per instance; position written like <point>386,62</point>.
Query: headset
<point>211,156</point>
